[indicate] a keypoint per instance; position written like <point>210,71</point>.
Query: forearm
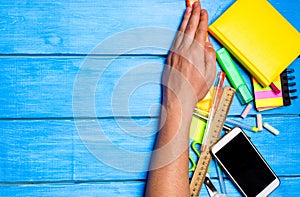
<point>169,167</point>
<point>188,75</point>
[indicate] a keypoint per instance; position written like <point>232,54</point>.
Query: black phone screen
<point>245,165</point>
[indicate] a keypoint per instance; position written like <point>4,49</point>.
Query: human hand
<point>191,63</point>
<point>187,77</point>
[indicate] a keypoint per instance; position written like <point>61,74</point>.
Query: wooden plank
<point>36,150</point>
<point>52,150</point>
<point>60,27</point>
<point>122,152</point>
<point>126,188</point>
<point>274,148</point>
<point>133,188</point>
<point>46,150</point>
<point>44,88</point>
<point>279,151</point>
<point>289,187</point>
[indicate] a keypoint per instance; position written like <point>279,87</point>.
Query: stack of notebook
<point>264,42</point>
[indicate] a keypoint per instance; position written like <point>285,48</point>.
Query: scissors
<point>212,191</point>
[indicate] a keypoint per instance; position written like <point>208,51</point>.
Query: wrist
<point>179,104</point>
<point>178,113</point>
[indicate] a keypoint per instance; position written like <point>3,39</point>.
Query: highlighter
<point>234,76</point>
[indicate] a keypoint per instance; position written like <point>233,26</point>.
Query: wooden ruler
<point>213,137</point>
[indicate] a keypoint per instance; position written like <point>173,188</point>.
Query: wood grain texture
<point>289,187</point>
<point>134,188</point>
<point>67,87</point>
<point>36,150</point>
<point>63,27</point>
<point>43,47</point>
<point>52,150</point>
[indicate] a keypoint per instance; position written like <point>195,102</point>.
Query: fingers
<point>192,25</point>
<point>181,30</point>
<point>201,33</point>
<point>185,20</point>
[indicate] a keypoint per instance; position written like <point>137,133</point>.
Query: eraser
<point>246,111</point>
<point>271,129</point>
<point>259,122</point>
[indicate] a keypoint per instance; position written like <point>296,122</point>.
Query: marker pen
<point>234,76</point>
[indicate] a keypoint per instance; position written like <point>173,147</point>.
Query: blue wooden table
<point>80,95</point>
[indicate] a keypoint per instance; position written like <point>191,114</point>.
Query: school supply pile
<point>217,123</point>
<point>265,44</point>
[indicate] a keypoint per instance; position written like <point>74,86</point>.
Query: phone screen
<point>245,165</point>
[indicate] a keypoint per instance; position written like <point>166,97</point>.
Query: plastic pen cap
<point>234,76</point>
<point>244,94</point>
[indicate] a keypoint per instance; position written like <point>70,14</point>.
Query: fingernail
<point>196,4</point>
<point>202,12</point>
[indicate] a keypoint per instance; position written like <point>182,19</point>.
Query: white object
<point>244,165</point>
<point>271,129</point>
<point>259,122</point>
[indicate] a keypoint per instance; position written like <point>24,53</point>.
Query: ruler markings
<point>214,135</point>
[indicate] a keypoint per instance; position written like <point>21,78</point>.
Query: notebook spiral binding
<point>288,85</point>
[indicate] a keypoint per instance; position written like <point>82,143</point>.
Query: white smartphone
<point>245,166</point>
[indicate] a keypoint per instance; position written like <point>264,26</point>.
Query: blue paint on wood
<point>45,27</point>
<point>42,45</point>
<point>52,150</point>
<point>44,87</point>
<point>36,150</point>
<point>289,187</point>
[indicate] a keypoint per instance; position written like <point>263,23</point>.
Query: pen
<point>225,127</point>
<point>221,180</point>
<point>216,98</point>
<point>203,115</point>
<point>242,125</point>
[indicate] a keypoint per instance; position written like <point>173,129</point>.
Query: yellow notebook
<point>262,40</point>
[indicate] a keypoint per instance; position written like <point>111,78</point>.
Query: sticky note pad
<point>265,98</point>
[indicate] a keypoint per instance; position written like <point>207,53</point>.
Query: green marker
<point>234,76</point>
